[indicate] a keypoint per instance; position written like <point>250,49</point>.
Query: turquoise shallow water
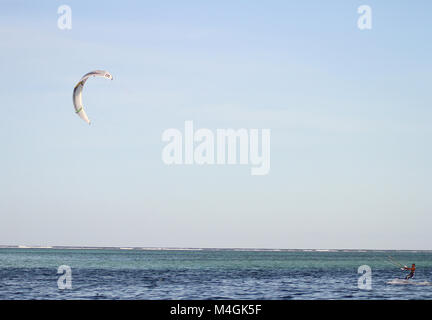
<point>208,274</point>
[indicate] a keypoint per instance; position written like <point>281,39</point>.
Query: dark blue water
<point>208,274</point>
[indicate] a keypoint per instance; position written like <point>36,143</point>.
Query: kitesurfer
<point>412,271</point>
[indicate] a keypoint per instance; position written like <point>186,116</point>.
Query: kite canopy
<point>77,93</point>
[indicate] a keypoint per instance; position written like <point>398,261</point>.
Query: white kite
<point>77,93</point>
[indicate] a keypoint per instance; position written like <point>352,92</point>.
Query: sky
<point>349,112</point>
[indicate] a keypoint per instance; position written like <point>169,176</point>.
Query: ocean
<point>31,273</point>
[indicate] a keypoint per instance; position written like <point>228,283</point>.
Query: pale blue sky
<point>349,112</point>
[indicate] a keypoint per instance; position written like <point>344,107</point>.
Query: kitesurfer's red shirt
<point>411,269</point>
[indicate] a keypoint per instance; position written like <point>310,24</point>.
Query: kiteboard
<point>409,282</point>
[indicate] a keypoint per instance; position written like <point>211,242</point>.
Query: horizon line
<point>71,247</point>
